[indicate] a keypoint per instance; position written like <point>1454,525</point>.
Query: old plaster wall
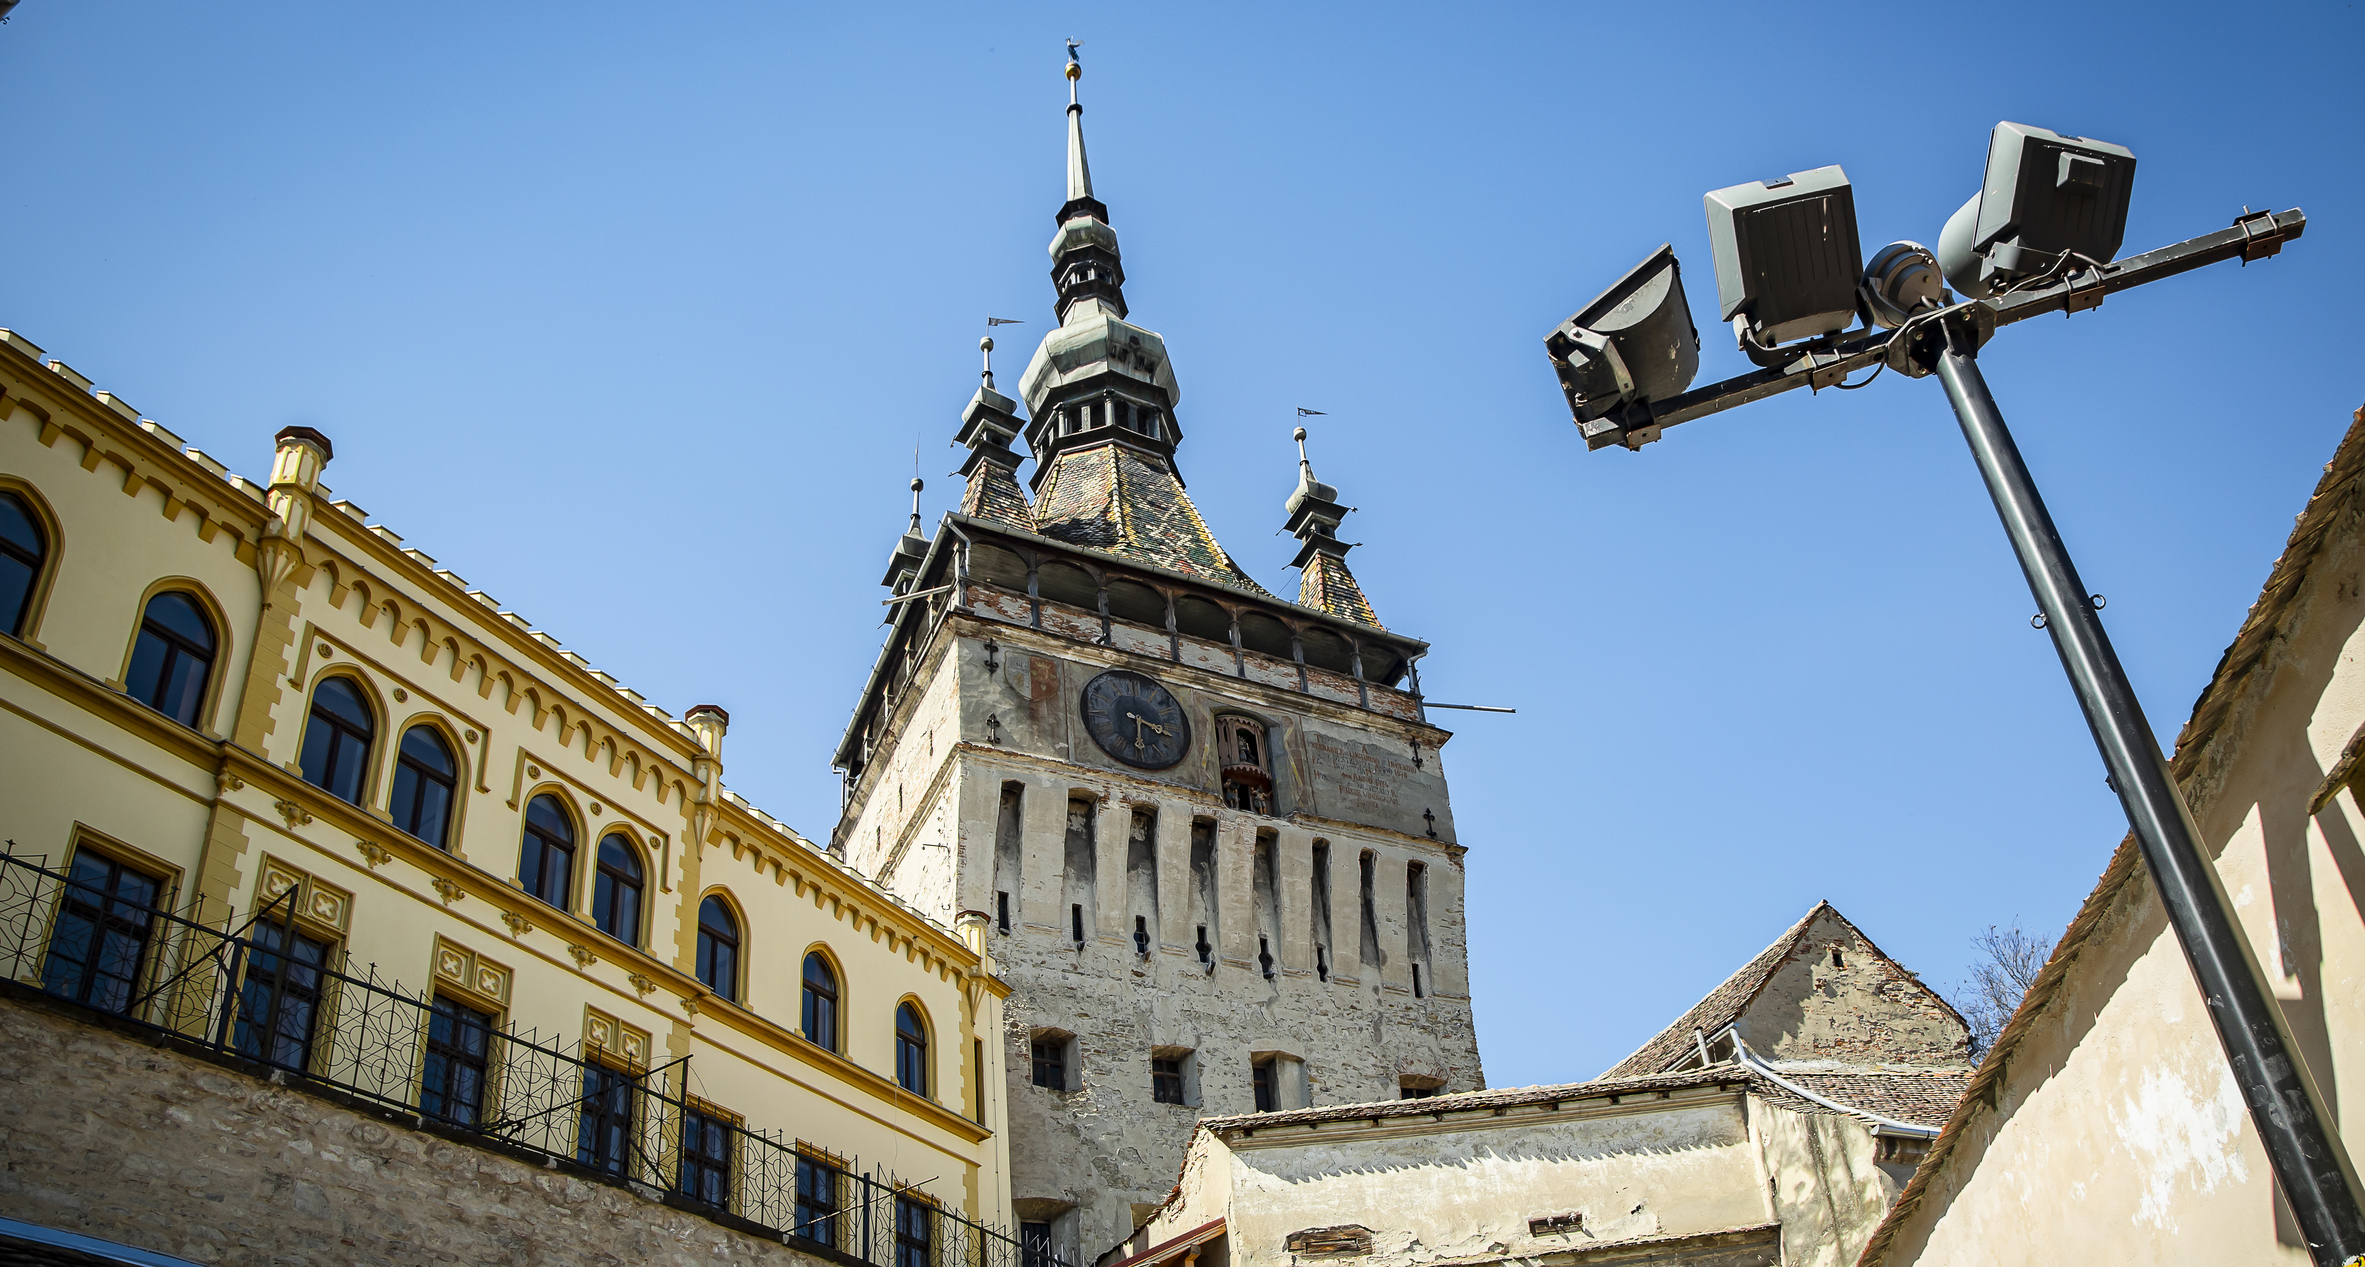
<point>1470,1194</point>
<point>1828,1187</point>
<point>111,1138</point>
<point>1864,1009</point>
<point>2115,1128</point>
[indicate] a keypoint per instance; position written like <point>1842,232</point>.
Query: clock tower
<point>1202,829</point>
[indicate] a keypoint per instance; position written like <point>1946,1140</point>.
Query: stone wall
<point>1862,1009</point>
<point>107,1136</point>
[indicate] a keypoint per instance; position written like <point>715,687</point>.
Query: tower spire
<point>1101,396</point>
<point>1079,170</point>
<point>1324,583</point>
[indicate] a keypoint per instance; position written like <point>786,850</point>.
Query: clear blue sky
<point>631,314</point>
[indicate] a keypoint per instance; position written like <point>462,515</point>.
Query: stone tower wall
<point>933,823</point>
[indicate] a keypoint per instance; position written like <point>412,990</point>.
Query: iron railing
<point>265,993</point>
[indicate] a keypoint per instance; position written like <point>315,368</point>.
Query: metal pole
<point>2307,1157</point>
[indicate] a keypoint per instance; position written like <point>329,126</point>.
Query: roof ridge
<point>1763,962</point>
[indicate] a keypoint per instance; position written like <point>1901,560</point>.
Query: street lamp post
<point>2029,275</point>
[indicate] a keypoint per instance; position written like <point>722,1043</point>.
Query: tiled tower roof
<point>1327,585</point>
<point>1116,498</point>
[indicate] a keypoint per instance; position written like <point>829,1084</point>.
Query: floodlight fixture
<point>1636,342</point>
<point>2042,236</point>
<point>1787,260</point>
<point>2047,200</point>
<point>1902,279</point>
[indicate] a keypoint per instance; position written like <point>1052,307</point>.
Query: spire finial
<point>917,485</point>
<point>1079,171</point>
<point>986,347</point>
<point>1302,463</point>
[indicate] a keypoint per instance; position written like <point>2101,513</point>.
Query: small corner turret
<point>903,566</point>
<point>988,424</point>
<point>1324,583</point>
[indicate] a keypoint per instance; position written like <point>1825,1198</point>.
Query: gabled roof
<point>1722,1007</point>
<point>1726,1003</point>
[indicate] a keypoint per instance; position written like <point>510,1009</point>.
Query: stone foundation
<point>103,1134</point>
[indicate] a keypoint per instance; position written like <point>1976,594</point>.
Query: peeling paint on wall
<point>2173,1130</point>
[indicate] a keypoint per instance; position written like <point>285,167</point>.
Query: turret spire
<point>903,566</point>
<point>1079,170</point>
<point>1324,583</point>
<point>988,425</point>
<point>1101,396</point>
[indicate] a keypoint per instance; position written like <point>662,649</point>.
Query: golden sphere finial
<point>1075,70</point>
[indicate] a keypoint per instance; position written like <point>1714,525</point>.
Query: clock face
<point>1136,720</point>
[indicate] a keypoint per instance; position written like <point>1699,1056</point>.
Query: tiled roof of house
<point>1925,1097</point>
<point>1503,1097</point>
<point>1115,498</point>
<point>1916,1096</point>
<point>1722,1007</point>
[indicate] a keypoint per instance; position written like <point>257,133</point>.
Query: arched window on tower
<point>616,889</point>
<point>821,1001</point>
<point>718,947</point>
<point>1248,779</point>
<point>424,776</point>
<point>337,737</point>
<point>546,858</point>
<point>173,659</point>
<point>23,549</point>
<point>911,1050</point>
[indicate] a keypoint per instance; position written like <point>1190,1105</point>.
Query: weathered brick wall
<point>104,1135</point>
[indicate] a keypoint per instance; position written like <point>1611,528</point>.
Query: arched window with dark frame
<point>911,1050</point>
<point>173,659</point>
<point>616,889</point>
<point>424,778</point>
<point>821,1001</point>
<point>718,947</point>
<point>23,549</point>
<point>546,857</point>
<point>337,739</point>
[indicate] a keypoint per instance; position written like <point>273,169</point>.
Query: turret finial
<point>1079,170</point>
<point>986,346</point>
<point>1303,464</point>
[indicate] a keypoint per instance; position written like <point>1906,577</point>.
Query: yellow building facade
<point>279,790</point>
